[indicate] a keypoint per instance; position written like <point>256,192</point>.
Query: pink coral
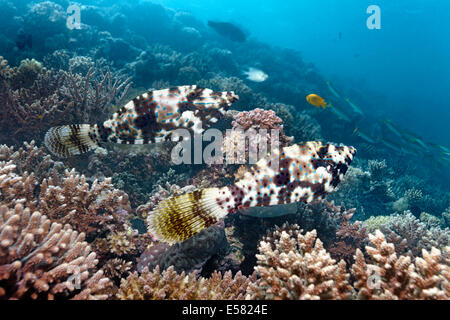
<point>258,119</point>
<point>44,260</point>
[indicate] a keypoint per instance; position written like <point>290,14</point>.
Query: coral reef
<point>44,260</point>
<point>88,213</point>
<point>390,276</point>
<point>295,266</point>
<point>35,99</point>
<point>88,208</point>
<point>169,285</point>
<point>409,234</point>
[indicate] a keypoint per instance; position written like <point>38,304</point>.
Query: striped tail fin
<point>305,172</point>
<point>66,141</point>
<point>179,218</point>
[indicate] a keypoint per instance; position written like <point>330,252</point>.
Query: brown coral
<point>386,275</point>
<point>169,285</point>
<point>296,266</point>
<point>44,260</point>
<point>34,99</point>
<point>88,208</point>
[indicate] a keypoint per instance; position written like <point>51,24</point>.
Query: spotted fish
<point>149,118</point>
<point>305,173</point>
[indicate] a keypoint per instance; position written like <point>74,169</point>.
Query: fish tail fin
<point>66,141</point>
<point>329,105</point>
<point>179,218</point>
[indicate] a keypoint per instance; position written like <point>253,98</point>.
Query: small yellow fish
<point>316,100</point>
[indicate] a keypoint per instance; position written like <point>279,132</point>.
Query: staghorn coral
<point>34,99</point>
<point>121,243</point>
<point>92,209</point>
<point>387,275</point>
<point>169,285</point>
<point>117,268</point>
<point>44,260</point>
<point>29,158</point>
<point>296,266</point>
<point>410,235</point>
<point>14,188</point>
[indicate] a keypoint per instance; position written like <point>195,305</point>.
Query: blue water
<point>406,61</point>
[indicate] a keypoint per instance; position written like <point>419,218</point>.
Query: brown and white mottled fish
<point>305,173</point>
<point>151,117</point>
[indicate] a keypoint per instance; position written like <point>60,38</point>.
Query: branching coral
<point>121,243</point>
<point>117,268</point>
<point>390,276</point>
<point>88,208</point>
<point>15,188</point>
<point>349,238</point>
<point>296,266</point>
<point>169,285</point>
<point>31,159</point>
<point>410,235</point>
<point>44,260</point>
<point>34,99</point>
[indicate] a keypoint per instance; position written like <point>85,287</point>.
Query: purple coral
<point>258,119</point>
